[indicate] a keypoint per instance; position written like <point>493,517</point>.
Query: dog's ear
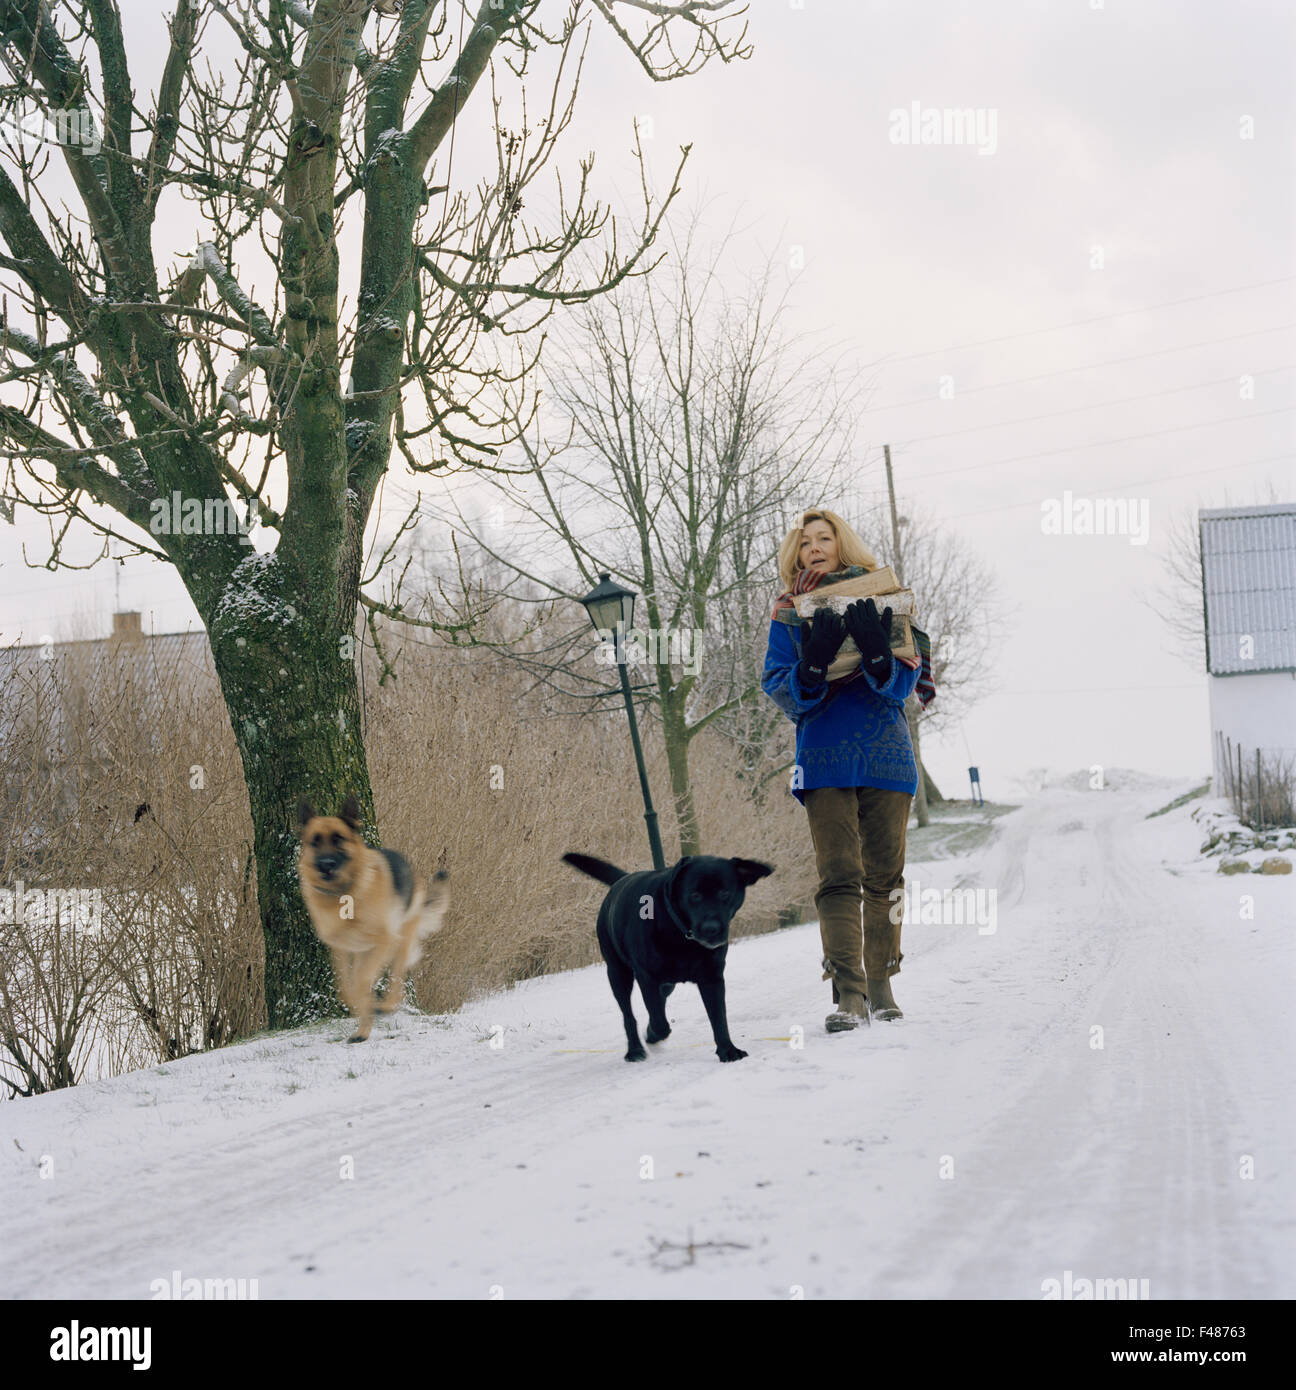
<point>351,811</point>
<point>749,870</point>
<point>676,871</point>
<point>305,814</point>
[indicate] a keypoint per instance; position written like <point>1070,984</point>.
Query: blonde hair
<point>850,549</point>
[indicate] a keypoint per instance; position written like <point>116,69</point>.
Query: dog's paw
<point>636,1054</point>
<point>727,1052</point>
<point>357,1037</point>
<point>653,1036</point>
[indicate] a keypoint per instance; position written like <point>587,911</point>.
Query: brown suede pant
<point>859,842</point>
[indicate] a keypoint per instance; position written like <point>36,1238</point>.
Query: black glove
<point>820,641</point>
<point>872,635</point>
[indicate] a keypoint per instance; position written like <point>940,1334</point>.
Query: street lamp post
<point>611,609</point>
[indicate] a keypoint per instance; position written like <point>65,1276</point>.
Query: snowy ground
<point>976,1149</point>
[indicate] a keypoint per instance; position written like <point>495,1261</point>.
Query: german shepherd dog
<point>367,906</point>
<point>668,925</point>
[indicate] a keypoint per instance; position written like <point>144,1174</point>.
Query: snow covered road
<point>979,1148</point>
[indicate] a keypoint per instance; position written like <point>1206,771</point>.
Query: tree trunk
<point>290,687</point>
<point>677,742</point>
<point>920,796</point>
<point>934,797</point>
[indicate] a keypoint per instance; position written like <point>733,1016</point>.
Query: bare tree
<point>1178,600</point>
<point>292,132</point>
<point>959,609</point>
<point>685,419</point>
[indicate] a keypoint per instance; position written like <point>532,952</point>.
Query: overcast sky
<point>1092,277</point>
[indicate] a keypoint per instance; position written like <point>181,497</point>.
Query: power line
<point>1081,323</point>
<point>1103,689</point>
<point>1083,367</point>
<point>1145,482</point>
<point>1095,405</point>
<point>1102,443</point>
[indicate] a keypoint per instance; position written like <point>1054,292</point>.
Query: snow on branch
<point>206,257</point>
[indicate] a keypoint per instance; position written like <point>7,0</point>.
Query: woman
<point>855,771</point>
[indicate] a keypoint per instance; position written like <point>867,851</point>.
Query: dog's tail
<point>436,901</point>
<point>595,868</point>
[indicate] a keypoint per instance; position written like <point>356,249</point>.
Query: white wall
<point>1256,710</point>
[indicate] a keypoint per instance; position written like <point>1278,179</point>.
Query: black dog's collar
<point>673,913</point>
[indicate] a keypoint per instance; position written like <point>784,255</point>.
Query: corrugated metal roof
<point>1249,587</point>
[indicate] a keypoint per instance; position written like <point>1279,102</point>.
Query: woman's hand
<point>826,634</point>
<point>872,635</point>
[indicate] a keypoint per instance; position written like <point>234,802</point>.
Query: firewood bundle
<point>883,588</point>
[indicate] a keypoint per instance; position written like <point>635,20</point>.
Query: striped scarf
<point>785,612</point>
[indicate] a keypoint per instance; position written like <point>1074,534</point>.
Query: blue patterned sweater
<point>850,734</point>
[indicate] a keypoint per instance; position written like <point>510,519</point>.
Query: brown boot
<point>851,1012</point>
<point>881,1002</point>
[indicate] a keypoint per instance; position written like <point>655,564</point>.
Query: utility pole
<point>911,715</point>
<point>895,520</point>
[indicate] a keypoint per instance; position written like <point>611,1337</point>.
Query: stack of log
<point>886,591</point>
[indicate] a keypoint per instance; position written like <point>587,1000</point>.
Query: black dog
<point>666,926</point>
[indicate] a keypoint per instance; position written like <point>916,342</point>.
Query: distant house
<point>159,658</point>
<point>76,719</point>
<point>57,695</point>
<point>1248,561</point>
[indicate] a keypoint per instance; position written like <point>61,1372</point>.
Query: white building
<point>1248,559</point>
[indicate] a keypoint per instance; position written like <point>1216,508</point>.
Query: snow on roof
<point>1249,587</point>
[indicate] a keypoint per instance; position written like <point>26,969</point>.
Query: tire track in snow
<point>1118,1156</point>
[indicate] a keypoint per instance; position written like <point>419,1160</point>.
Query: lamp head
<point>608,605</point>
